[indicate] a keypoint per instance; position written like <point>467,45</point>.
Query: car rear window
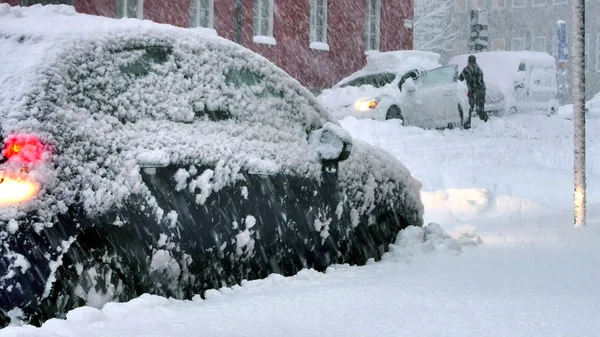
<point>376,80</point>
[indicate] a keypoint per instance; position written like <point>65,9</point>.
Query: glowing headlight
<point>365,104</point>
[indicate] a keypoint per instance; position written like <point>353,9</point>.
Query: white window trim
<point>539,37</point>
<point>377,25</point>
<point>211,14</point>
<point>512,43</point>
<point>541,4</point>
<point>268,39</point>
<point>598,53</point>
<point>503,43</point>
<point>140,13</point>
<point>499,7</point>
<point>318,42</point>
<point>560,2</point>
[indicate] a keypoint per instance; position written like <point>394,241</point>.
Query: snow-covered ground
<point>507,183</point>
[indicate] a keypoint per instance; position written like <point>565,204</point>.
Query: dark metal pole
<point>238,21</point>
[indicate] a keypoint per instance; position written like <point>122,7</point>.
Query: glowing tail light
<point>24,148</point>
<point>14,191</point>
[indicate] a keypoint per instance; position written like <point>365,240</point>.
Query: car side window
<point>141,61</point>
<point>438,76</point>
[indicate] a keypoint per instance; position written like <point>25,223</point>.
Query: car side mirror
<point>331,142</point>
<point>409,86</point>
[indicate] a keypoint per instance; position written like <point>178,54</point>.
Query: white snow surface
<point>504,260</point>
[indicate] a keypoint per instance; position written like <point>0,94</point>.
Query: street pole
<point>579,111</point>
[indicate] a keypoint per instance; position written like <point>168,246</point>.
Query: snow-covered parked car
<point>517,81</point>
<point>409,85</point>
<point>146,158</point>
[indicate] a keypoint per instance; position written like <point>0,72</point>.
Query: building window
<point>202,13</point>
<point>373,22</point>
<point>498,4</point>
<point>318,22</point>
<point>46,2</point>
<point>130,9</point>
<point>538,3</point>
<point>519,3</point>
<point>460,5</point>
<point>478,4</point>
<point>498,44</point>
<point>560,2</point>
<point>263,20</point>
<point>538,43</point>
<point>517,43</point>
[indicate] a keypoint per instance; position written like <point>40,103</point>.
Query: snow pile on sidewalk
<point>416,241</point>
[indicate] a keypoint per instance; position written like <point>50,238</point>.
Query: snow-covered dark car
<point>146,158</point>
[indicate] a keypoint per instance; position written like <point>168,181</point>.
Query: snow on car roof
<point>109,94</point>
<point>498,66</point>
<point>396,61</point>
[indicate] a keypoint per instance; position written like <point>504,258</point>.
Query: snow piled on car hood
<point>397,61</point>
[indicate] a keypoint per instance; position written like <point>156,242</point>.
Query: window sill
<point>319,46</point>
<point>261,39</point>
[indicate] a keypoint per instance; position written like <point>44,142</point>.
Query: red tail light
<point>467,94</point>
<point>24,148</point>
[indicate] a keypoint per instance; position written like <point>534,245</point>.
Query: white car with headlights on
<point>410,86</point>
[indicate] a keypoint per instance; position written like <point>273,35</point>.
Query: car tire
<point>513,110</point>
<point>552,112</point>
<point>394,112</point>
<point>93,264</point>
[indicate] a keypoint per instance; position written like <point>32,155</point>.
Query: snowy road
<point>508,181</point>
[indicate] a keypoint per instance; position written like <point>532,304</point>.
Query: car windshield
<point>438,76</point>
<point>376,80</point>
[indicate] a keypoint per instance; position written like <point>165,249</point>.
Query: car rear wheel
<point>552,111</point>
<point>394,112</point>
<point>99,267</point>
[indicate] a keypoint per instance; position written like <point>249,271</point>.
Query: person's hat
<point>471,58</point>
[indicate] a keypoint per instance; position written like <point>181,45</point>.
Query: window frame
<point>512,43</point>
<point>560,2</point>
<point>196,9</point>
<point>541,3</point>
<point>314,24</point>
<point>377,17</point>
<point>140,9</point>
<point>257,21</point>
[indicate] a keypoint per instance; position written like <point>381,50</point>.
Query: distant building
<point>316,41</point>
<point>531,25</point>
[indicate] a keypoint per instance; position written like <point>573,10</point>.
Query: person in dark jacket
<point>473,75</point>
